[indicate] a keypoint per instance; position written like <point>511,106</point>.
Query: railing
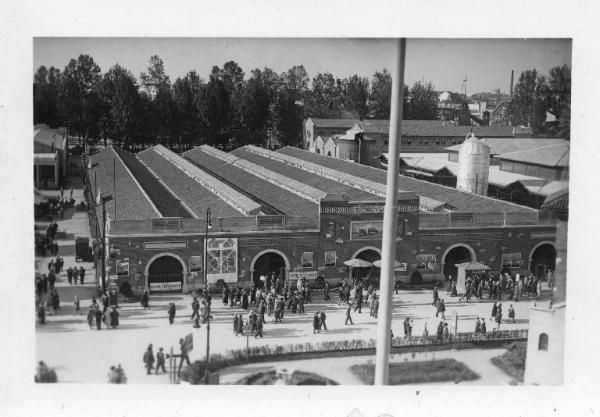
<point>228,224</point>
<point>466,219</point>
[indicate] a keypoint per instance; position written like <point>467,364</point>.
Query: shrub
<point>126,289</point>
<point>418,372</point>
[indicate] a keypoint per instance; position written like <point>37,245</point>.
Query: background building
<point>50,156</point>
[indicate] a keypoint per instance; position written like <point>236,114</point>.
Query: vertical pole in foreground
<point>390,220</point>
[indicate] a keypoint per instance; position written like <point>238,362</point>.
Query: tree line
<point>535,95</point>
<point>230,106</point>
<point>227,106</point>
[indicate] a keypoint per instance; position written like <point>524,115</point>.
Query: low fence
<point>353,347</point>
<point>467,219</point>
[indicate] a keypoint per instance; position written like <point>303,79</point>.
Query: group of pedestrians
<point>107,314</point>
<point>513,287</point>
<point>319,321</point>
<point>150,360</point>
<point>116,375</point>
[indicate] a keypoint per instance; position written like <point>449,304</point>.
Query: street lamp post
<point>208,227</point>
<point>103,201</point>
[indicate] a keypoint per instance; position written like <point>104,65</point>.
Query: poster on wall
<point>366,230</point>
<point>221,259</point>
<point>307,260</point>
<point>195,263</point>
<point>122,268</point>
<point>330,258</point>
<point>427,262</point>
<point>511,260</point>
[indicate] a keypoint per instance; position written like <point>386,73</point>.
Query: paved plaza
<point>83,355</point>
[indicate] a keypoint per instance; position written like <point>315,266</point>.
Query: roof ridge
<point>134,180</point>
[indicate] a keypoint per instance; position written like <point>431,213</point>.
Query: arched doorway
<point>542,259</point>
<point>165,275</point>
<point>370,275</point>
<point>457,254</point>
<point>266,262</point>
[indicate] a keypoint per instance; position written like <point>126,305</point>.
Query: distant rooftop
<point>551,156</point>
<point>459,200</point>
<point>46,139</point>
<point>505,145</point>
<point>436,128</point>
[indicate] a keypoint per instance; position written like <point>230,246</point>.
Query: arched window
<point>543,342</point>
<point>329,153</point>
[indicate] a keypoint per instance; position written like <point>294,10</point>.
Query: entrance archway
<point>266,262</point>
<point>542,259</point>
<point>165,274</point>
<point>369,254</point>
<point>457,254</point>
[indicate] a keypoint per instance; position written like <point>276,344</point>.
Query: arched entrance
<point>266,262</point>
<point>457,254</point>
<point>369,254</point>
<point>542,259</point>
<point>165,274</point>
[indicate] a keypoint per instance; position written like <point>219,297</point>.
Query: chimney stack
<point>512,78</point>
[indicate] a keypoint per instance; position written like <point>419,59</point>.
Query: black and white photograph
<point>175,153</point>
<point>394,214</point>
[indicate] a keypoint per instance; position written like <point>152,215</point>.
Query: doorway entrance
<point>456,255</point>
<point>369,275</point>
<point>165,275</point>
<point>267,263</point>
<point>543,259</point>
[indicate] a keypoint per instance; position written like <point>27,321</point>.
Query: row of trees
<point>536,94</point>
<point>227,106</point>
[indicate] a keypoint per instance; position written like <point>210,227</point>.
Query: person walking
<point>511,313</point>
<point>171,311</point>
<point>195,308</point>
<point>42,313</point>
<point>146,300</point>
<point>359,301</point>
<point>98,316</point>
<point>440,330</point>
<point>326,291</point>
<point>149,359</point>
<point>348,311</point>
<point>498,316</point>
<point>316,322</point>
<point>81,274</point>
<point>435,295</point>
<point>407,328</point>
<point>183,355</point>
<point>160,361</point>
<point>482,328</point>
<point>441,308</point>
<point>477,326</point>
<point>76,305</point>
<point>494,310</point>
<point>259,327</point>
<point>114,317</point>
<point>323,317</point>
<point>235,324</point>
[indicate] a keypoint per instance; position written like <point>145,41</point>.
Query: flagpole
<point>390,220</point>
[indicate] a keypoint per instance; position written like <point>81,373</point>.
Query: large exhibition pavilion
<point>294,213</point>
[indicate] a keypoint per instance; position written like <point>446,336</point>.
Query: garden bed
<point>443,370</point>
<point>513,360</point>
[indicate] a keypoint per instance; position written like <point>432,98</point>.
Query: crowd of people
<point>505,285</point>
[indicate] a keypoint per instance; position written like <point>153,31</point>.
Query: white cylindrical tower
<point>473,166</point>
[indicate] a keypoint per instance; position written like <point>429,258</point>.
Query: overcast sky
<point>445,62</point>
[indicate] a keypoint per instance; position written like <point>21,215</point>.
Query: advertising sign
<point>165,286</point>
<point>300,275</point>
<point>307,260</point>
<point>330,258</point>
<point>366,230</point>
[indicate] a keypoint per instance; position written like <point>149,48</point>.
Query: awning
<point>473,266</point>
